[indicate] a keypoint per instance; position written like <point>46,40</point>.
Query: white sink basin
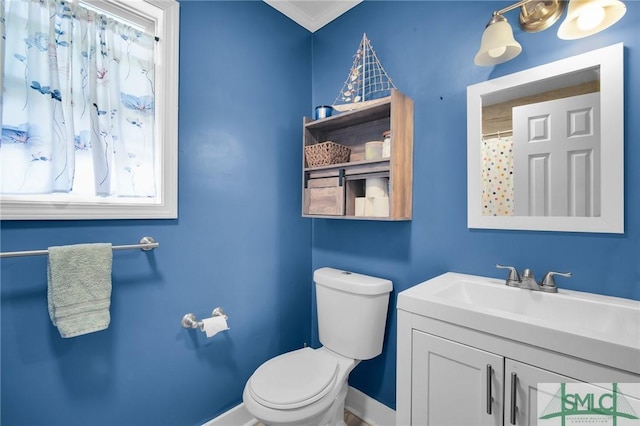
<point>599,328</point>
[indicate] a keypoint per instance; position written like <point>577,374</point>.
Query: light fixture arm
<point>509,8</point>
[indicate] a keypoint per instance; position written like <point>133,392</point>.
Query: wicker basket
<point>325,153</point>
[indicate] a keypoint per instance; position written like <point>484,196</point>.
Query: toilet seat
<point>294,379</point>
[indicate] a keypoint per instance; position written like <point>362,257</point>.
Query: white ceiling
<point>312,14</point>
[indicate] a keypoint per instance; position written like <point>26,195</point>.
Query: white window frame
<point>161,16</point>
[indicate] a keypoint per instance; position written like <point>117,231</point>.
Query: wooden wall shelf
<point>330,191</point>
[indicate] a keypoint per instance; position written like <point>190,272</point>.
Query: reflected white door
<point>556,157</point>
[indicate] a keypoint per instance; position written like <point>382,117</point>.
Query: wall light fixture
<point>584,18</point>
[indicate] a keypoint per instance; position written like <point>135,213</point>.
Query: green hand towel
<point>79,288</point>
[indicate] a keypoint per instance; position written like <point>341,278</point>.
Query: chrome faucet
<point>528,281</point>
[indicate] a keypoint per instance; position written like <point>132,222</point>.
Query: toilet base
<point>327,411</point>
<point>330,416</point>
<point>335,415</point>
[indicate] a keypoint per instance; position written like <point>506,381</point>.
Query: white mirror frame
<point>610,60</point>
<point>165,14</point>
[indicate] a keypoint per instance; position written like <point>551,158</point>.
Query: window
<point>89,109</point>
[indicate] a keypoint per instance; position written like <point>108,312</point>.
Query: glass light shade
<point>498,44</point>
<point>587,17</point>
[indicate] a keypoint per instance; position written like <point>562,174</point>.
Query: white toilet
<point>308,387</point>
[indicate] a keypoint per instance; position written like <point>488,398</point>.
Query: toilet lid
<point>294,379</point>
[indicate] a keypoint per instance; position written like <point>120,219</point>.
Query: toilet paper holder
<point>190,321</point>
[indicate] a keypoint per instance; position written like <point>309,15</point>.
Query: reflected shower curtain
<point>497,176</point>
<point>78,107</point>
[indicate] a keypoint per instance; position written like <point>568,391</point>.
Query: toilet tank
<point>352,312</point>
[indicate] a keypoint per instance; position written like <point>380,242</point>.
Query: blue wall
<point>246,80</point>
<point>428,49</point>
<point>239,243</point>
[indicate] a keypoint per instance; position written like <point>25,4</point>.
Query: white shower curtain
<point>497,176</point>
<point>78,107</point>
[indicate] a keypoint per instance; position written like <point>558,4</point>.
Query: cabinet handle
<point>489,398</point>
<point>514,383</point>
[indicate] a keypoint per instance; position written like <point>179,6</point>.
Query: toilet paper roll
<point>360,206</point>
<point>377,187</point>
<point>214,325</point>
<point>377,207</point>
<point>369,207</point>
<point>381,206</point>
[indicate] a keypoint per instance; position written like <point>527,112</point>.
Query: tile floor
<point>349,418</point>
<point>352,420</point>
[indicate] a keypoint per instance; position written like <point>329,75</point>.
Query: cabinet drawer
<point>324,196</point>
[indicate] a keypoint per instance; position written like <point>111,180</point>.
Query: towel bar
<point>145,244</point>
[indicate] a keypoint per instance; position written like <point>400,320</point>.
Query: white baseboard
<point>368,409</point>
<point>237,416</point>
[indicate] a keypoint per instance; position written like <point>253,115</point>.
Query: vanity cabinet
<point>454,384</point>
<point>330,191</point>
<point>453,375</point>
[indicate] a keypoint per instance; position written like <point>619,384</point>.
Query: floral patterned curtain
<point>78,102</point>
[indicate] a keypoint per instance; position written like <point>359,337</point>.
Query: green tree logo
<point>611,404</point>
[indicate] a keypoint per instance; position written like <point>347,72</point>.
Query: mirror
<point>545,147</point>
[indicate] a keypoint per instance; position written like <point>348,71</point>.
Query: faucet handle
<point>528,273</point>
<point>549,281</point>
<point>513,272</point>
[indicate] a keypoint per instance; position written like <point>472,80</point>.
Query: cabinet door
<point>521,391</point>
<point>521,396</point>
<point>454,384</point>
